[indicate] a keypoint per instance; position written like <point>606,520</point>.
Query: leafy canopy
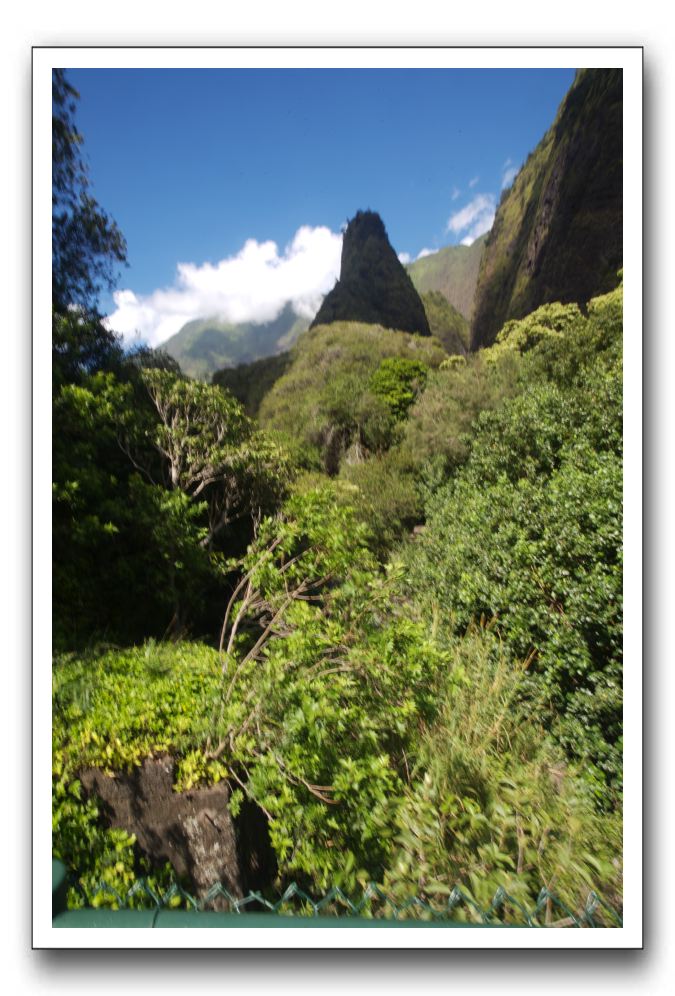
<point>86,242</point>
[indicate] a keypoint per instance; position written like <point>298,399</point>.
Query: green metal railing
<point>295,908</point>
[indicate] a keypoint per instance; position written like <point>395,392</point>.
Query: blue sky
<point>246,176</point>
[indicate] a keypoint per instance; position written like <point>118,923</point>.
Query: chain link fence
<point>503,910</point>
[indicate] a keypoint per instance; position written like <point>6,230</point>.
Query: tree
<point>86,242</point>
<point>148,469</point>
<point>81,345</point>
<point>212,453</point>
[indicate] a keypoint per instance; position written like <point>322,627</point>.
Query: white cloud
<point>404,257</point>
<point>426,252</point>
<point>474,219</point>
<point>474,181</point>
<point>455,193</point>
<point>252,286</point>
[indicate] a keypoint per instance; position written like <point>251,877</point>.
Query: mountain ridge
<point>208,345</point>
<point>558,230</point>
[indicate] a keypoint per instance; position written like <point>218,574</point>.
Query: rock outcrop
<point>374,286</point>
<point>192,830</point>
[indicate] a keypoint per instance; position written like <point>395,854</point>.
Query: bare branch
<point>127,452</point>
<point>262,639</point>
<point>268,552</point>
<point>237,619</point>
<point>231,602</point>
<point>316,790</point>
<point>248,795</point>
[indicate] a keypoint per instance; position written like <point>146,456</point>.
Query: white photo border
<point>630,60</point>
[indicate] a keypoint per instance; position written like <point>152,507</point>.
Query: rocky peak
<point>374,286</point>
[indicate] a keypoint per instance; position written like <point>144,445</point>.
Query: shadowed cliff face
<point>374,287</point>
<point>558,231</point>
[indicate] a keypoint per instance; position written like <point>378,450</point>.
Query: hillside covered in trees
<point>358,603</point>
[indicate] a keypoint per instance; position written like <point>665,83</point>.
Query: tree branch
<point>261,640</point>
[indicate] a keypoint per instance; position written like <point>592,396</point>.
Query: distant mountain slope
<point>208,344</point>
<point>453,271</point>
<point>374,287</point>
<point>557,234</point>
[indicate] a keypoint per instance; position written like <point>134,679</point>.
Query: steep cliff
<point>558,231</point>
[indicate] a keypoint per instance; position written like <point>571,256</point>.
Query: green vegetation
<point>387,611</point>
<point>385,732</point>
<point>529,532</point>
<point>437,432</point>
<point>398,381</point>
<point>249,383</point>
<point>326,400</point>
<point>493,800</point>
<point>446,323</point>
<point>452,271</point>
<point>346,721</point>
<point>154,477</point>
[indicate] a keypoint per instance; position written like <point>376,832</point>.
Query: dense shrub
<point>444,414</point>
<point>311,705</point>
<point>398,381</point>
<point>530,532</point>
<point>155,478</point>
<point>378,749</point>
<point>550,321</point>
<point>386,496</point>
